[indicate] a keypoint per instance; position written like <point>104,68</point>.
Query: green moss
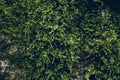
<point>45,39</point>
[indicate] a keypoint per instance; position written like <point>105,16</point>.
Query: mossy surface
<point>48,39</point>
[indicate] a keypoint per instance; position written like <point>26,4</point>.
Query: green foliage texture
<point>48,39</point>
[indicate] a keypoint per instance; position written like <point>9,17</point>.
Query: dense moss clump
<point>49,39</point>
